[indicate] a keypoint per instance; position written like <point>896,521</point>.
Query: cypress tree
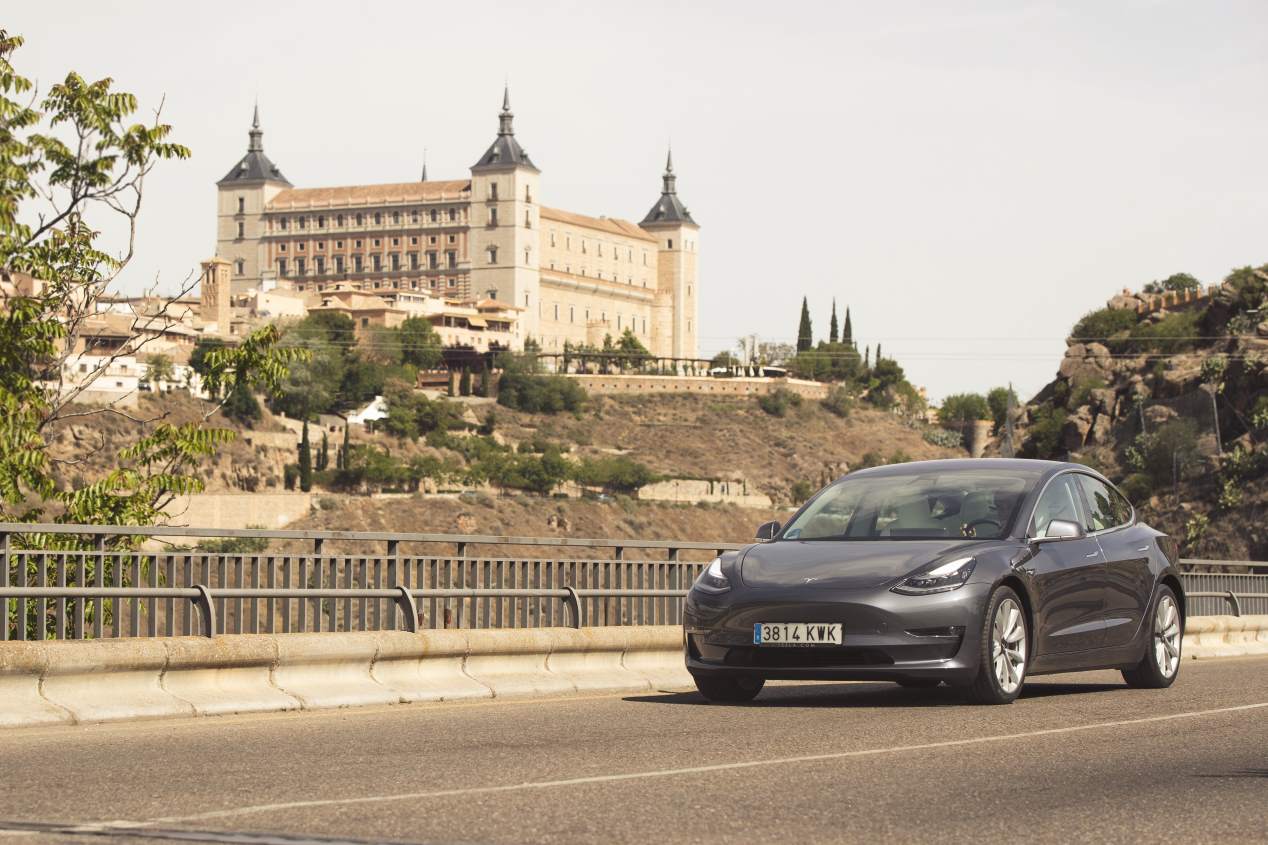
<point>878,353</point>
<point>305,461</point>
<point>343,450</point>
<point>464,383</point>
<point>323,456</point>
<point>847,333</point>
<point>867,357</point>
<point>805,335</point>
<point>833,334</point>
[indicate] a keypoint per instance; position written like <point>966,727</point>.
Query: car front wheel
<point>1003,655</point>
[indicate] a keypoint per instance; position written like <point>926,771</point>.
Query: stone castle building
<point>575,278</point>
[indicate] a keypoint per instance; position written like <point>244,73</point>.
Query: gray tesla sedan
<point>976,573</point>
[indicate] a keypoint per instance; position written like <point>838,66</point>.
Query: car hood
<point>843,565</point>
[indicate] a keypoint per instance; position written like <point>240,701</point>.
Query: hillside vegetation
<point>1173,406</point>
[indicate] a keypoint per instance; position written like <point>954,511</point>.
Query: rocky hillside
<point>1168,395</point>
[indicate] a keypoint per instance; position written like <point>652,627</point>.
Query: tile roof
<point>612,225</point>
<point>360,195</point>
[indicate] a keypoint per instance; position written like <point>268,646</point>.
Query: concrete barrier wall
<point>109,680</point>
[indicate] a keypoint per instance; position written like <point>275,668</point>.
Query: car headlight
<point>712,580</point>
<point>939,579</point>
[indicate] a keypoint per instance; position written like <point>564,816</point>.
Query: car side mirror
<point>767,530</point>
<point>1061,529</point>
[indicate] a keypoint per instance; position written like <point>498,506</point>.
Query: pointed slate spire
<point>255,166</point>
<point>669,209</point>
<point>505,150</point>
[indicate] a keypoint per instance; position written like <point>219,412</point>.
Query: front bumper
<point>885,636</point>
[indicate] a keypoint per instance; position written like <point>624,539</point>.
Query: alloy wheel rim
<point>1167,637</point>
<point>1008,645</point>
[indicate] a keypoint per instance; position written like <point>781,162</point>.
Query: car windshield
<point>970,504</point>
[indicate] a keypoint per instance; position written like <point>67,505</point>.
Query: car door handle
<point>1093,554</point>
<point>1143,549</point>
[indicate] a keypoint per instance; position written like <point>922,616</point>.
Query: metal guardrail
<point>87,581</point>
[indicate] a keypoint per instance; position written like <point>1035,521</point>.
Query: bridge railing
<point>84,581</point>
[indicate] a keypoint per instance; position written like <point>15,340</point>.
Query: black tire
<point>986,687</point>
<point>1148,673</point>
<point>724,690</point>
<point>919,683</point>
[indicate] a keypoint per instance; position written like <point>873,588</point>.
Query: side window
<point>1103,511</point>
<point>1059,501</point>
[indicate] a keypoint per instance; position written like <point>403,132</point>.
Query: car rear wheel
<point>724,690</point>
<point>1161,664</point>
<point>1003,656</point>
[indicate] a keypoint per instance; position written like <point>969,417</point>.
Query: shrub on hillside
<point>999,400</point>
<point>778,401</point>
<point>616,473</point>
<point>539,394</point>
<point>1175,332</point>
<point>1044,437</point>
<point>943,437</point>
<point>839,401</point>
<point>800,491</point>
<point>1163,454</point>
<point>1097,326</point>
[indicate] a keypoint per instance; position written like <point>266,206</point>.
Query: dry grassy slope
<point>707,437</point>
<point>537,517</point>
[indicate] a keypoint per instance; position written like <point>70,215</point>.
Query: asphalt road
<point>1077,758</point>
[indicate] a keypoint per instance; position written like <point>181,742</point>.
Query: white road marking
<point>692,770</point>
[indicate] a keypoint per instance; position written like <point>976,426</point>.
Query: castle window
<point>527,256</point>
<point>556,311</point>
<point>302,221</point>
<point>493,255</point>
<point>413,261</point>
<point>453,283</point>
<point>356,263</point>
<point>376,261</point>
<point>339,220</point>
<point>357,243</point>
<point>360,219</point>
<point>434,215</point>
<point>493,217</point>
<point>631,255</point>
<point>688,290</point>
<point>528,219</point>
<point>571,310</point>
<point>283,223</point>
<point>433,284</point>
<point>583,246</point>
<point>300,267</point>
<point>568,242</point>
<point>453,239</point>
<point>413,241</point>
<point>431,261</point>
<point>413,216</point>
<point>396,217</point>
<point>600,249</point>
<point>241,230</point>
<point>319,264</point>
<point>378,218</point>
<point>452,258</point>
<point>321,244</point>
<point>453,214</point>
<point>281,247</point>
<point>493,190</point>
<point>396,261</point>
<point>396,241</point>
<point>300,246</point>
<point>338,263</point>
<point>552,238</point>
<point>618,322</point>
<point>528,193</point>
<point>432,239</point>
<point>644,325</point>
<point>281,266</point>
<point>688,325</point>
<point>242,204</point>
<point>321,221</point>
<point>378,242</point>
<point>242,267</point>
<point>671,243</point>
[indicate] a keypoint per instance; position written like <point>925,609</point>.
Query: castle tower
<point>675,319</point>
<point>241,198</point>
<point>504,225</point>
<point>214,295</point>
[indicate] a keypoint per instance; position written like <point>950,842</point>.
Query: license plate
<point>797,633</point>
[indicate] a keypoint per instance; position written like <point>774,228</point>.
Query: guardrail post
<point>206,610</point>
<point>1237,607</point>
<point>408,607</point>
<point>573,602</point>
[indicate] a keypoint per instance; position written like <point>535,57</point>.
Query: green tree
<point>159,368</point>
<point>305,461</point>
<point>805,334</point>
<point>55,197</point>
<point>420,345</point>
<point>1174,282</point>
<point>323,454</point>
<point>1000,399</point>
<point>964,408</point>
<point>241,406</point>
<point>847,331</point>
<point>632,350</point>
<point>833,335</point>
<point>464,383</point>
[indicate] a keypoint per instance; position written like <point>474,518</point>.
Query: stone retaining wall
<point>603,385</point>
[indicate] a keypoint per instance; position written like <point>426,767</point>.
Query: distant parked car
<point>976,573</point>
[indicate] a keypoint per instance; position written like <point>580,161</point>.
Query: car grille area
<point>805,658</point>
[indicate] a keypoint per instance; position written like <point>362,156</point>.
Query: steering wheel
<point>969,528</point>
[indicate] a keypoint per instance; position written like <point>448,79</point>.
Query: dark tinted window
<point>1106,509</point>
<point>1059,501</point>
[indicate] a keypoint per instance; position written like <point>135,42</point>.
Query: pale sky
<point>969,177</point>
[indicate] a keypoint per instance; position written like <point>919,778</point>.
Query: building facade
<point>574,278</point>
